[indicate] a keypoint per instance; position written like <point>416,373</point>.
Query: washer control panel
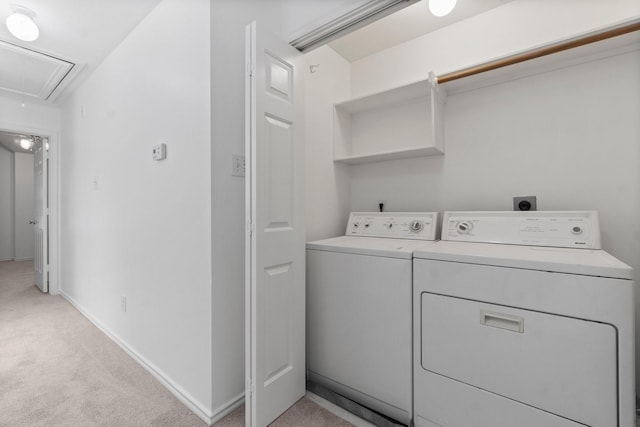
<point>563,229</point>
<point>398,225</point>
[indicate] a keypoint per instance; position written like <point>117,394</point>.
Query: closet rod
<point>537,53</point>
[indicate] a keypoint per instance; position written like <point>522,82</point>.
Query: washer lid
<point>374,246</point>
<point>588,262</point>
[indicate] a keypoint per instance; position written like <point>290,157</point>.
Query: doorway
<point>28,212</point>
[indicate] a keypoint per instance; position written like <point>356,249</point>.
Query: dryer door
<point>562,365</point>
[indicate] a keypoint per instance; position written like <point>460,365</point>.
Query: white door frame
<point>54,197</point>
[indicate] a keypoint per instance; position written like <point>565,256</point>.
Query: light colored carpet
<point>58,369</point>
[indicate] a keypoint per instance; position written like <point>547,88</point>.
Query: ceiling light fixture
<point>27,143</point>
<point>20,24</point>
<point>441,7</point>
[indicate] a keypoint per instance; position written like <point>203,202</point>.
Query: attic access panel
<point>31,73</point>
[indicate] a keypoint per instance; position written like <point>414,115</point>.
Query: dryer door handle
<point>502,321</point>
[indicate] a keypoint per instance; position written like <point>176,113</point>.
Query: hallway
<point>57,368</point>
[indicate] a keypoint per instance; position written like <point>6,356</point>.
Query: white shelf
<point>415,90</point>
<point>398,123</point>
<point>405,153</point>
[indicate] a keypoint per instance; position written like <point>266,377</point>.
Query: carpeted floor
<point>58,369</point>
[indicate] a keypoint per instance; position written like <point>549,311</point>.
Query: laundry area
<point>430,225</point>
<point>509,325</point>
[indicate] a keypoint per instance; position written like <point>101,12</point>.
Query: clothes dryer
<point>359,322</point>
<point>521,319</point>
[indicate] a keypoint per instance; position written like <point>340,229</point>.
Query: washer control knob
<point>366,225</point>
<point>416,226</point>
<point>576,229</point>
<point>356,224</point>
<point>464,227</point>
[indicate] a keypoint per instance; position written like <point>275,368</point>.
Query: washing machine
<point>359,305</point>
<point>521,319</point>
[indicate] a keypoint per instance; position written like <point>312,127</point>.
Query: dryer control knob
<point>576,229</point>
<point>416,226</point>
<point>464,227</point>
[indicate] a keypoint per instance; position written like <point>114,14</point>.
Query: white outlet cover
<point>237,165</point>
<point>159,152</point>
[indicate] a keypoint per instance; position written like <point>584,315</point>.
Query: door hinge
<point>251,388</point>
<point>250,68</point>
<point>250,228</point>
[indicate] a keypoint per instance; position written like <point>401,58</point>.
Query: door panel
<point>279,141</point>
<point>41,262</point>
<point>277,322</point>
<point>274,270</point>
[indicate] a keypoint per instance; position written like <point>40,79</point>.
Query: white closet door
<point>274,267</point>
<point>41,261</point>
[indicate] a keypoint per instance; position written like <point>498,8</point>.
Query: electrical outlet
<point>524,203</point>
<point>238,166</point>
<point>123,303</point>
<point>159,152</point>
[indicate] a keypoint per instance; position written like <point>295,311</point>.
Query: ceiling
<point>411,22</point>
<point>75,36</point>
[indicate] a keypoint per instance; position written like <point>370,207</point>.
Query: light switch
<point>159,152</point>
<point>237,165</point>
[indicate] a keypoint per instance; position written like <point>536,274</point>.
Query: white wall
<point>328,195</point>
<point>23,206</point>
<point>6,204</point>
<point>37,118</point>
<point>16,205</point>
<point>567,136</point>
<point>139,228</point>
<point>517,26</point>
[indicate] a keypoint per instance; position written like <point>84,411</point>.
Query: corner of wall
<point>328,193</point>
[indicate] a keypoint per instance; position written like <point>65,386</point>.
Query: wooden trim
<point>537,53</point>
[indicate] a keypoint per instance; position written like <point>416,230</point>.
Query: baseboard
<point>198,408</point>
<point>224,410</point>
<point>23,259</point>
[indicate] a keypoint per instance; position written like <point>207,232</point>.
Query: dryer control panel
<point>563,229</point>
<point>397,225</point>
